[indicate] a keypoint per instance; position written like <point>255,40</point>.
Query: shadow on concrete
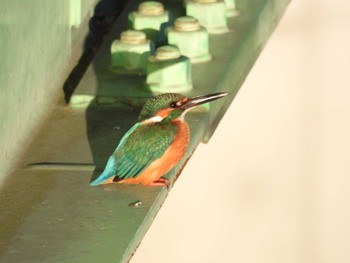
<point>106,124</point>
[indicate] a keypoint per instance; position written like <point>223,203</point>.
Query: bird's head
<point>170,106</point>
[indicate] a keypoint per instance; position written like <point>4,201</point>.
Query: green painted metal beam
<point>37,52</point>
<point>48,211</point>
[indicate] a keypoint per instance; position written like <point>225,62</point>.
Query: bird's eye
<point>173,105</point>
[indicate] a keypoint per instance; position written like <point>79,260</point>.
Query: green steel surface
<point>36,55</point>
<point>48,211</point>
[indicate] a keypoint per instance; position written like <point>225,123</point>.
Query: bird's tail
<point>108,173</point>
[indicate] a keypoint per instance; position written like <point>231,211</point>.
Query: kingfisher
<point>155,144</point>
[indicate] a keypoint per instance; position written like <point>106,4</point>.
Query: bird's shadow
<point>106,124</point>
<point>105,128</point>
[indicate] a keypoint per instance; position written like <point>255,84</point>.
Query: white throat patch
<point>153,119</point>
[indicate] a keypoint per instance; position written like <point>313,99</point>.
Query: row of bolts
<point>187,38</point>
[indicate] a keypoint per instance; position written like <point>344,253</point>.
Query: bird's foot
<point>162,181</point>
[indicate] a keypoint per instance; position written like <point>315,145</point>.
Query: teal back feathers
<point>139,147</point>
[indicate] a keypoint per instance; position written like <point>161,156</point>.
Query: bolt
<point>168,71</point>
<point>151,8</point>
<point>150,18</point>
<point>210,13</point>
<point>133,37</point>
<point>191,38</point>
<point>130,53</point>
<point>167,53</point>
<point>186,23</point>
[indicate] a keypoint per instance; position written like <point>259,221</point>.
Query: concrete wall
<point>272,185</point>
<point>35,58</point>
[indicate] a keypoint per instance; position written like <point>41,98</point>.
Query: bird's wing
<point>110,169</point>
<point>138,148</point>
<point>143,146</point>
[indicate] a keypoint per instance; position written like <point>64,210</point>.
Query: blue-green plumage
<point>153,145</point>
<point>139,147</point>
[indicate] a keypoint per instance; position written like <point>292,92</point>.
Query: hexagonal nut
<point>150,18</point>
<point>191,38</point>
<point>210,13</point>
<point>131,52</point>
<point>168,71</point>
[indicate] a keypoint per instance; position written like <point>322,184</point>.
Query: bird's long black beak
<point>198,100</point>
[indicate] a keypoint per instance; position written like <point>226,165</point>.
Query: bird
<point>155,144</point>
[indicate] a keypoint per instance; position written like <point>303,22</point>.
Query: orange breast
<point>168,160</point>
